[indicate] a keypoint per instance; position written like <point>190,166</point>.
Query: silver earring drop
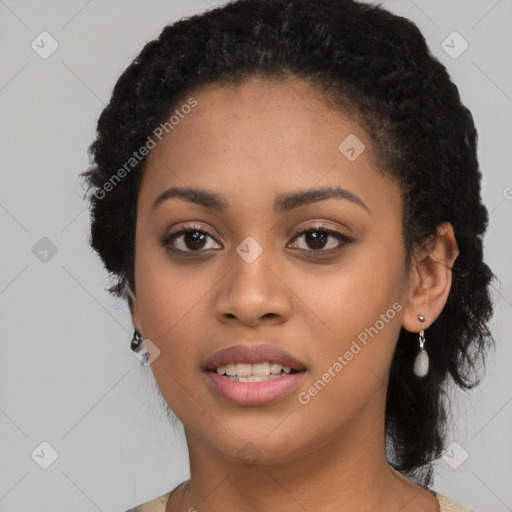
<point>421,362</point>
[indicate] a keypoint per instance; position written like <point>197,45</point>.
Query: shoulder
<point>448,505</point>
<point>156,505</point>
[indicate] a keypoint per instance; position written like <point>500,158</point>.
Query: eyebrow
<point>282,203</point>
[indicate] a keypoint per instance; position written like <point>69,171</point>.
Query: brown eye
<point>193,240</point>
<point>316,239</point>
<point>190,239</point>
<point>321,239</point>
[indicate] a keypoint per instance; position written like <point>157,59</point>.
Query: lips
<point>252,354</point>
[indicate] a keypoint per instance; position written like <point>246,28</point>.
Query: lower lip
<point>254,393</point>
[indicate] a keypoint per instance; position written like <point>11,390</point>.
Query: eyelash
<point>192,228</point>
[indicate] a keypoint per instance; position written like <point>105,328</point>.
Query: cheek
<point>346,298</point>
<point>165,290</point>
<point>358,308</point>
<point>167,299</point>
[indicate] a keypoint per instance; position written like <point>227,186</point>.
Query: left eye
<point>317,239</point>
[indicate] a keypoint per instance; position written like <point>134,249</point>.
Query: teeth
<point>260,369</point>
<point>242,369</point>
<point>275,368</point>
<point>231,369</point>
<point>253,378</point>
<point>247,370</point>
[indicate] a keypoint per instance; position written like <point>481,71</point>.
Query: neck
<point>349,472</point>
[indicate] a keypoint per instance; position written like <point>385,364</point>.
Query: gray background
<point>67,375</point>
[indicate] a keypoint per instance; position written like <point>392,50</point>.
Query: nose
<point>254,293</point>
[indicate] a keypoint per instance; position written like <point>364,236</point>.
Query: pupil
<point>194,240</point>
<point>318,241</point>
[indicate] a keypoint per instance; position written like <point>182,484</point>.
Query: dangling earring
<point>421,362</point>
<point>138,346</point>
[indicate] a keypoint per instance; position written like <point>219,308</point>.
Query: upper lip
<point>252,354</point>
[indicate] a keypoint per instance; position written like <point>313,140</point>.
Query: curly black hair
<point>376,65</point>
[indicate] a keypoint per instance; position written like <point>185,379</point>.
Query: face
<point>321,276</point>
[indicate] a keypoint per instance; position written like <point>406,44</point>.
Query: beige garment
<point>448,505</point>
<point>158,505</point>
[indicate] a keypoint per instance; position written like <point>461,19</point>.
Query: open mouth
<point>253,375</point>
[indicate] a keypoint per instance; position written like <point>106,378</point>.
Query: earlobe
<point>431,279</point>
<point>134,309</point>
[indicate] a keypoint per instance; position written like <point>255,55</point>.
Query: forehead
<point>258,138</point>
<point>254,115</point>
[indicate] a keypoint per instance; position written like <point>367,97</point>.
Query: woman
<point>287,194</point>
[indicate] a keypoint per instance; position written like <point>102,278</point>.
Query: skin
<point>249,143</point>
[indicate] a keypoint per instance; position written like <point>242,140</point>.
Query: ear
<point>134,310</point>
<point>430,279</point>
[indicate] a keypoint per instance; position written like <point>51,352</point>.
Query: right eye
<point>190,239</point>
